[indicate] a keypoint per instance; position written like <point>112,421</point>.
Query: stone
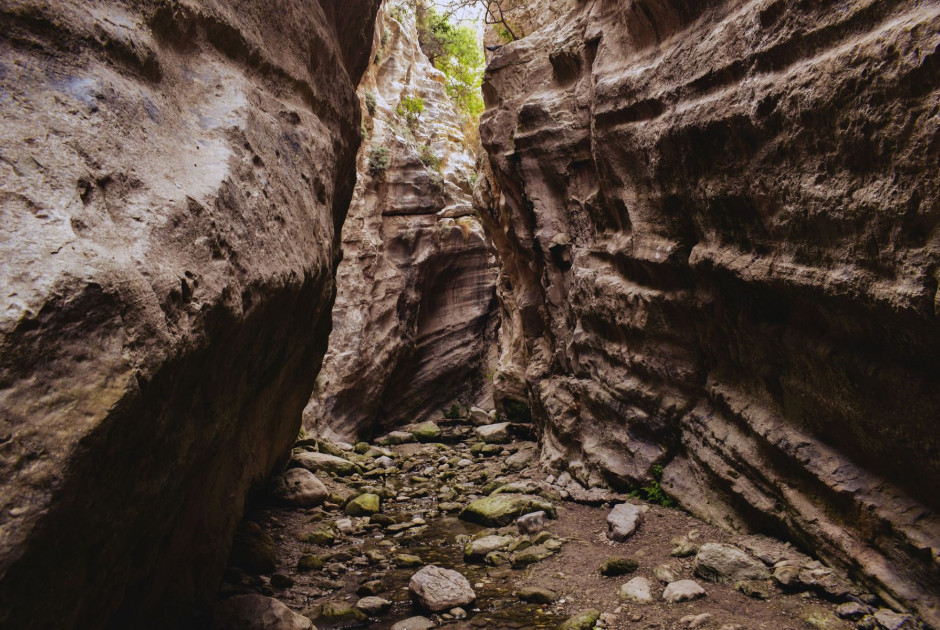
<point>479,417</point>
<point>253,549</point>
<point>299,487</point>
<point>323,535</point>
<point>364,505</point>
<point>395,437</point>
<point>890,620</point>
<point>256,612</point>
<point>821,618</point>
<point>373,606</point>
<point>502,509</point>
<point>438,589</point>
<point>309,562</point>
<point>755,589</point>
<point>405,560</point>
<point>494,433</point>
<point>683,591</point>
<point>685,545</point>
<point>477,549</point>
<point>279,580</point>
<point>531,523</point>
<point>666,573</point>
<point>717,562</point>
<point>345,525</point>
<point>530,555</point>
<point>584,620</point>
<point>414,623</point>
<point>426,432</point>
<point>324,462</point>
<point>384,462</point>
<point>623,520</point>
<point>614,566</point>
<point>636,590</point>
<point>370,588</point>
<point>523,458</point>
<point>335,613</point>
<point>695,621</point>
<point>853,610</point>
<point>537,595</point>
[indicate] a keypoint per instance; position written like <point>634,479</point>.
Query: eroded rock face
<point>415,307</point>
<point>718,228</point>
<point>172,177</point>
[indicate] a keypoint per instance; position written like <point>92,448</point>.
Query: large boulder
<point>502,509</point>
<point>256,612</point>
<point>623,520</point>
<point>314,462</point>
<point>440,589</point>
<point>718,562</point>
<point>173,178</point>
<point>299,487</point>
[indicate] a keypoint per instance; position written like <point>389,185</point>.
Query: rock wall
<point>172,177</point>
<point>718,225</point>
<point>415,309</point>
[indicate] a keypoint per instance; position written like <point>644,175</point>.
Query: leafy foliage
<point>453,413</point>
<point>429,158</point>
<point>654,492</point>
<point>410,109</point>
<point>378,159</point>
<point>371,103</point>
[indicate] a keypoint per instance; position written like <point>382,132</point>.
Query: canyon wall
<point>718,229</point>
<point>415,306</point>
<point>173,174</point>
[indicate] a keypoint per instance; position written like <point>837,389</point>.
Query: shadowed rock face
<point>718,224</point>
<point>171,179</point>
<point>415,308</point>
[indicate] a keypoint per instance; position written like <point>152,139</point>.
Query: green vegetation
<point>453,413</point>
<point>429,158</point>
<point>410,109</point>
<point>654,492</point>
<point>371,103</point>
<point>378,159</point>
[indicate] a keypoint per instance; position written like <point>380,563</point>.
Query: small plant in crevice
<point>410,109</point>
<point>378,160</point>
<point>371,102</point>
<point>453,413</point>
<point>429,158</point>
<point>437,181</point>
<point>654,492</point>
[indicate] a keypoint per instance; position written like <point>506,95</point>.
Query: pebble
<point>694,621</point>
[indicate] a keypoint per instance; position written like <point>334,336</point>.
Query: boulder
<point>256,612</point>
<point>636,590</point>
<point>299,487</point>
<point>717,562</point>
<point>426,432</point>
<point>624,519</point>
<point>364,505</point>
<point>439,589</point>
<point>502,509</point>
<point>494,433</point>
<point>253,549</point>
<point>584,620</point>
<point>325,462</point>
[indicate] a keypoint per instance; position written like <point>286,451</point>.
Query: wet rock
<point>531,523</point>
<point>324,462</point>
<point>324,535</point>
<point>364,505</point>
<point>299,487</point>
<point>636,590</point>
<point>373,606</point>
<point>414,623</point>
<point>536,595</point>
<point>853,610</point>
<point>683,591</point>
<point>426,432</point>
<point>405,560</point>
<point>309,562</point>
<point>335,613</point>
<point>253,549</point>
<point>439,589</point>
<point>370,588</point>
<point>531,555</point>
<point>502,509</point>
<point>584,620</point>
<point>718,562</point>
<point>494,433</point>
<point>755,589</point>
<point>476,550</point>
<point>890,620</point>
<point>256,612</point>
<point>614,566</point>
<point>623,520</point>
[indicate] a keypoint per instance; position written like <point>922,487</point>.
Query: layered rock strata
<point>172,177</point>
<point>718,225</point>
<point>415,309</point>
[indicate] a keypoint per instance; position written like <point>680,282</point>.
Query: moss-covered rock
<point>253,549</point>
<point>309,562</point>
<point>584,620</point>
<point>322,535</point>
<point>502,509</point>
<point>426,432</point>
<point>335,613</point>
<point>364,505</point>
<point>619,566</point>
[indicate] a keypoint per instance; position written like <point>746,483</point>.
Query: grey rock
<point>299,487</point>
<point>890,620</point>
<point>439,589</point>
<point>257,612</point>
<point>494,433</point>
<point>623,520</point>
<point>478,549</point>
<point>372,605</point>
<point>666,573</point>
<point>536,595</point>
<point>636,590</point>
<point>682,591</point>
<point>853,610</point>
<point>531,523</point>
<point>718,562</point>
<point>324,462</point>
<point>479,417</point>
<point>414,623</point>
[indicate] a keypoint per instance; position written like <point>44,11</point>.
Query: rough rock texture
<point>415,307</point>
<point>718,228</point>
<point>171,178</point>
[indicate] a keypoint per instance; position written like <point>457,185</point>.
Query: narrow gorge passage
<point>470,314</point>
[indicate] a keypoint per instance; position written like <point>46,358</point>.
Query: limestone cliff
<point>718,225</point>
<point>415,306</point>
<point>172,177</point>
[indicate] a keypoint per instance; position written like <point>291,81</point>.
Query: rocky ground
<point>456,527</point>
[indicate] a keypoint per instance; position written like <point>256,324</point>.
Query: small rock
<point>479,548</point>
<point>531,555</point>
<point>384,462</point>
<point>395,437</point>
<point>618,566</point>
<point>531,523</point>
<point>309,562</point>
<point>623,520</point>
<point>345,526</point>
<point>458,613</point>
<point>373,606</point>
<point>821,618</point>
<point>890,620</point>
<point>718,562</point>
<point>364,505</point>
<point>323,535</point>
<point>494,433</point>
<point>426,432</point>
<point>866,623</point>
<point>440,589</point>
<point>683,591</point>
<point>370,588</point>
<point>407,560</point>
<point>853,610</point>
<point>584,620</point>
<point>414,623</point>
<point>326,463</point>
<point>636,590</point>
<point>335,613</point>
<point>479,417</point>
<point>695,621</point>
<point>755,589</point>
<point>536,595</point>
<point>666,573</point>
<point>256,612</point>
<point>299,487</point>
<point>685,546</point>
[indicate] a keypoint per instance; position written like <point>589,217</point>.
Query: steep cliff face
<point>718,222</point>
<point>172,175</point>
<point>415,306</point>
